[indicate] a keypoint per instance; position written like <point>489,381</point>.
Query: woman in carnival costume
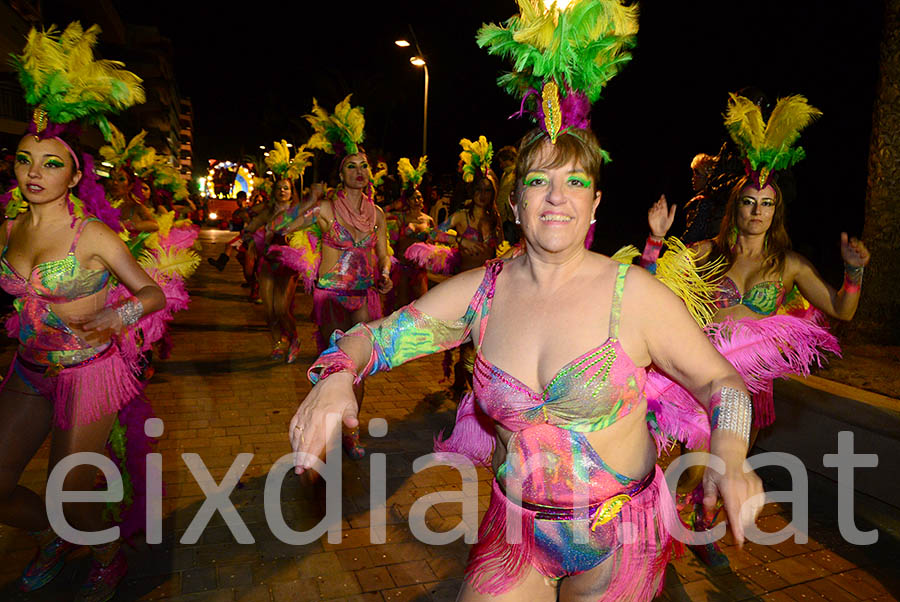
<point>277,279</point>
<point>69,377</point>
<point>164,250</point>
<point>415,227</point>
<point>355,264</point>
<point>476,227</point>
<point>568,439</point>
<point>128,193</point>
<point>755,256</point>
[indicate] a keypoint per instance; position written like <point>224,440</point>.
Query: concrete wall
<point>810,414</point>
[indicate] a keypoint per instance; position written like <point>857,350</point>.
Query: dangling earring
<point>593,220</point>
<point>732,236</point>
<point>518,221</point>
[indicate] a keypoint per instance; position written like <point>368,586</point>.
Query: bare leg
<point>285,287</point>
<point>25,419</point>
<point>267,294</point>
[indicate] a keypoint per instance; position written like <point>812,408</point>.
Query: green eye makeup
<point>532,179</point>
<point>582,180</point>
<point>23,158</point>
<point>54,163</point>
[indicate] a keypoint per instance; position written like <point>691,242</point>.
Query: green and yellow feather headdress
<point>411,177</point>
<point>476,157</point>
<point>341,132</point>
<point>563,54</point>
<point>284,166</point>
<point>768,146</point>
<point>64,83</point>
<point>131,154</point>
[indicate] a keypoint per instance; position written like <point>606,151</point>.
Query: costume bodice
<point>762,298</point>
<point>589,393</point>
<point>57,281</point>
<point>357,266</point>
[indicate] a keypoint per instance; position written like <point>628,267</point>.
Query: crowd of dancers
<point>683,348</point>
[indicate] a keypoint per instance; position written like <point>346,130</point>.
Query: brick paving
<point>219,396</point>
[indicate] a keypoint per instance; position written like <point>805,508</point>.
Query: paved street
<point>219,396</point>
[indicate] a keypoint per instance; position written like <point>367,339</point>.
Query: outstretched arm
<point>439,320</point>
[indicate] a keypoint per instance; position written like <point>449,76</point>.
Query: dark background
<point>252,72</point>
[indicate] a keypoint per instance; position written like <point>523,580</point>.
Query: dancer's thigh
<point>534,587</point>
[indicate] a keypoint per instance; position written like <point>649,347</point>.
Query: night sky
<point>252,74</point>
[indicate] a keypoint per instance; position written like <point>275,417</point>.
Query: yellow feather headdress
<point>476,157</point>
<point>64,83</point>
<point>339,133</point>
<point>768,146</point>
<point>283,165</point>
<point>411,176</point>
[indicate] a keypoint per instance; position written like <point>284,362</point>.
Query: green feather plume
<point>579,48</point>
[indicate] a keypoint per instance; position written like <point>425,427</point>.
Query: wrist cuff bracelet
<point>130,311</point>
<point>731,410</point>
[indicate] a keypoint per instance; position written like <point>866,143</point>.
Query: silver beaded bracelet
<point>130,311</point>
<point>733,412</point>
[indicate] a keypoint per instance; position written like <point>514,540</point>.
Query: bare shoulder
<point>795,263</point>
<point>450,299</point>
<point>98,232</point>
<point>644,291</point>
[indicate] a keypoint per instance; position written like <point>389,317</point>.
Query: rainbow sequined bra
<point>589,393</point>
<point>762,298</point>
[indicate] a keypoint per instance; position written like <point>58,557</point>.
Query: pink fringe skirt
<point>334,306</point>
<point>639,546</point>
<point>85,392</point>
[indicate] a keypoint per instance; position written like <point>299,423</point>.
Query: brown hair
<point>576,145</point>
<point>777,243</point>
<point>295,197</point>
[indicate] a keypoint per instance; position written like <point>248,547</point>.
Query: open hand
<point>318,419</point>
<point>660,217</point>
<point>853,251</point>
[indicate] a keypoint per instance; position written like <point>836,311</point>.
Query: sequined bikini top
<point>56,281</point>
<point>338,237</point>
<point>589,393</point>
<point>762,298</point>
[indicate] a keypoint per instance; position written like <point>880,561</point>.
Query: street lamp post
<point>419,61</point>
